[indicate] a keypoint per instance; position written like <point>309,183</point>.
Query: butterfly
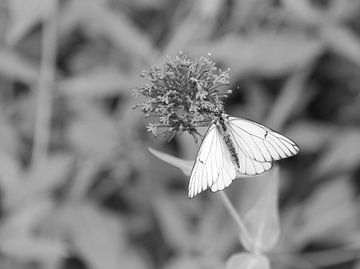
<point>234,145</point>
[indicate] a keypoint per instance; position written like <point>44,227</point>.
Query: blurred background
<point>79,188</point>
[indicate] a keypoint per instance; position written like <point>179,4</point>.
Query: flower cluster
<point>183,94</point>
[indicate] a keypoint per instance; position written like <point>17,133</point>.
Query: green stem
<point>45,86</point>
<point>244,233</point>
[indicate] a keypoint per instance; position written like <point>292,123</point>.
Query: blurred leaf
<point>9,171</point>
<point>99,83</point>
<point>264,53</point>
<point>145,4</point>
<point>13,66</point>
<point>342,154</point>
<point>344,10</point>
<point>185,29</point>
<point>22,221</point>
<point>93,133</point>
<point>215,226</point>
<point>40,180</point>
<point>34,249</point>
<point>87,170</point>
<point>97,17</point>
<point>182,262</point>
<point>98,236</point>
<point>247,261</point>
<point>311,136</point>
<point>257,103</point>
<point>342,41</point>
<point>24,15</point>
<point>9,138</point>
<point>262,219</point>
<point>303,11</point>
<point>210,9</point>
<point>183,165</point>
<point>356,265</point>
<point>173,224</point>
<point>19,239</point>
<point>9,165</point>
<point>331,214</point>
<point>287,101</point>
<point>185,261</point>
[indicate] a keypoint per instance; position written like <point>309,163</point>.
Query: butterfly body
<point>234,146</point>
<point>221,126</point>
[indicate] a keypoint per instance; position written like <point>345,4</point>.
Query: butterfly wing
<point>213,166</point>
<point>250,167</point>
<point>258,142</point>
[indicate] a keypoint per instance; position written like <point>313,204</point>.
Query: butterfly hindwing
<point>250,167</point>
<point>258,142</point>
<point>213,166</point>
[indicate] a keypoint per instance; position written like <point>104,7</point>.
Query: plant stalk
<point>45,87</point>
<point>244,233</point>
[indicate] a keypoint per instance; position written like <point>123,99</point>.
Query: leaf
<point>147,4</point>
<point>262,219</point>
<point>214,226</point>
<point>287,101</point>
<point>13,66</point>
<point>9,165</point>
<point>184,165</point>
<point>183,261</point>
<point>342,11</point>
<point>24,15</point>
<point>331,214</point>
<point>356,265</point>
<point>303,11</point>
<point>40,180</point>
<point>34,248</point>
<point>98,17</point>
<point>342,41</point>
<point>210,9</point>
<point>264,53</point>
<point>23,220</point>
<point>9,172</point>
<point>247,261</point>
<point>18,239</point>
<point>93,133</point>
<point>9,139</point>
<point>98,236</point>
<point>311,135</point>
<point>101,82</point>
<point>342,154</point>
<point>172,222</point>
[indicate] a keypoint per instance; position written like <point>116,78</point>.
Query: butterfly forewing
<point>213,166</point>
<point>258,142</point>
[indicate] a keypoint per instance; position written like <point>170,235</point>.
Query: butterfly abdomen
<point>230,146</point>
<point>228,142</point>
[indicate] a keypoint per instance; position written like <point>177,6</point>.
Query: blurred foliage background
<point>79,188</point>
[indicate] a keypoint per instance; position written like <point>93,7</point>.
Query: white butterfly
<point>234,145</point>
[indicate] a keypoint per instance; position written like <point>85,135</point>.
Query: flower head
<point>183,94</point>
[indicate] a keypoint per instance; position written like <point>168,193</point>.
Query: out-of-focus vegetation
<point>79,188</point>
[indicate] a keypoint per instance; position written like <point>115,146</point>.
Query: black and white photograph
<point>193,134</point>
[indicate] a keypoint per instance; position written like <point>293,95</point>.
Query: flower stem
<point>45,86</point>
<point>244,233</point>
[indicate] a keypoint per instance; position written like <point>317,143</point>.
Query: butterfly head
<point>218,114</point>
<point>219,119</point>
